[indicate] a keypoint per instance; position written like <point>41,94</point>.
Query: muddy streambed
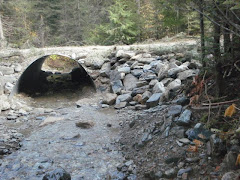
<point>81,139</point>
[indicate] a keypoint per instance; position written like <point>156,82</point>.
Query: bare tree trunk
<point>1,29</point>
<point>42,32</point>
<point>202,32</point>
<point>138,2</point>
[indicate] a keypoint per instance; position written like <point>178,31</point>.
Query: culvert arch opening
<point>54,74</point>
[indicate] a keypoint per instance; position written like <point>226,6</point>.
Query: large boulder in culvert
<point>130,82</point>
<point>57,174</point>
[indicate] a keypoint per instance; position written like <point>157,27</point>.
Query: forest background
<point>41,23</point>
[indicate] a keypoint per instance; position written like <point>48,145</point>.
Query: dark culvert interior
<point>54,74</point>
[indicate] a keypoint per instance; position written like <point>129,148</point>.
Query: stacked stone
<point>143,80</point>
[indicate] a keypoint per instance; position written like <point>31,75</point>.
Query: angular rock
<point>174,110</point>
<point>198,133</point>
<point>148,76</point>
<point>137,72</point>
<point>185,118</point>
<point>125,70</point>
<point>159,88</point>
<point>174,85</point>
<point>141,83</point>
<point>146,60</point>
<point>153,100</point>
<point>230,176</point>
<point>8,88</point>
<point>146,95</point>
<point>182,171</point>
<point>163,71</point>
<point>140,107</point>
<point>1,89</point>
<point>188,73</point>
<point>217,147</point>
<point>152,83</point>
<point>123,98</point>
<point>109,99</point>
<point>7,70</point>
<point>18,68</point>
<point>138,98</point>
<point>4,104</point>
<point>130,82</point>
<point>57,174</point>
<point>139,90</point>
<point>166,81</point>
<point>146,67</point>
<point>116,86</point>
<point>97,63</point>
<point>120,105</point>
<point>171,173</point>
<point>105,69</point>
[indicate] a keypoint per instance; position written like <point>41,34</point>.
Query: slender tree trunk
<point>42,32</point>
<point>202,32</point>
<point>1,29</point>
<point>217,56</point>
<point>138,2</point>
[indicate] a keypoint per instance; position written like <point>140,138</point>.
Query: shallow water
<point>88,154</point>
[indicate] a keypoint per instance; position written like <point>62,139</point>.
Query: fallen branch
<point>220,103</point>
<point>204,108</point>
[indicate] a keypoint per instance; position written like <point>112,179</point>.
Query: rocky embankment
<point>162,137</point>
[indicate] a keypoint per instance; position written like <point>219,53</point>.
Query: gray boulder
<point>188,73</point>
<point>120,105</point>
<point>8,88</point>
<point>146,95</point>
<point>130,82</point>
<point>57,174</point>
<point>125,70</point>
<point>185,118</point>
<point>153,100</point>
<point>109,99</point>
<point>123,98</point>
<point>18,68</point>
<point>116,86</point>
<point>174,85</point>
<point>159,88</point>
<point>7,70</point>
<point>137,72</point>
<point>105,69</point>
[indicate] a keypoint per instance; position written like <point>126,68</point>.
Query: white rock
<point>18,68</point>
<point>188,73</point>
<point>8,88</point>
<point>159,88</point>
<point>50,120</point>
<point>174,85</point>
